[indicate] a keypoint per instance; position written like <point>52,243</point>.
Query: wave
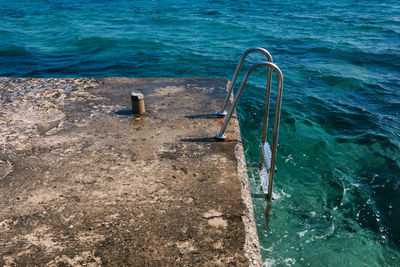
<point>315,47</point>
<point>14,51</point>
<point>370,139</point>
<point>341,81</point>
<point>94,42</point>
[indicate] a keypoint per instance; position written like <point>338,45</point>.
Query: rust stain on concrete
<point>84,183</point>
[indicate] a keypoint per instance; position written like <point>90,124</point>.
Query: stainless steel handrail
<point>221,135</point>
<point>222,112</point>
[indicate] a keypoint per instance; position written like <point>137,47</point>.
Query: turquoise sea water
<point>337,188</point>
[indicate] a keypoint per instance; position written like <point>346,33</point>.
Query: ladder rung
<point>266,150</point>
<point>267,154</point>
<point>264,178</point>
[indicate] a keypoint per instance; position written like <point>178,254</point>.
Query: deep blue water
<point>338,183</point>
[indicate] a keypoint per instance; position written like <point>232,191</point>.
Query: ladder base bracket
<point>221,113</point>
<point>220,137</point>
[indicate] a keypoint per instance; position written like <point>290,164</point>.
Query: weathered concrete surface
<point>83,183</point>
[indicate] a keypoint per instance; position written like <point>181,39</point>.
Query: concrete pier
<point>83,182</point>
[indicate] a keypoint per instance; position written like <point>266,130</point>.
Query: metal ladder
<point>268,155</point>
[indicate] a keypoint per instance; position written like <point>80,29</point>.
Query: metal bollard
<point>137,103</point>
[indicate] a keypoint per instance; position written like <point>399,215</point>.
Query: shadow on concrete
<point>203,116</point>
<point>205,140</point>
<point>124,112</point>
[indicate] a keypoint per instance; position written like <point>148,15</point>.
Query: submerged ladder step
<point>264,169</point>
<point>263,175</point>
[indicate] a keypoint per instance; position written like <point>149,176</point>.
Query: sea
<point>337,188</point>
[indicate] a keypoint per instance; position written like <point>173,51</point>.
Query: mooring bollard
<point>137,103</point>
